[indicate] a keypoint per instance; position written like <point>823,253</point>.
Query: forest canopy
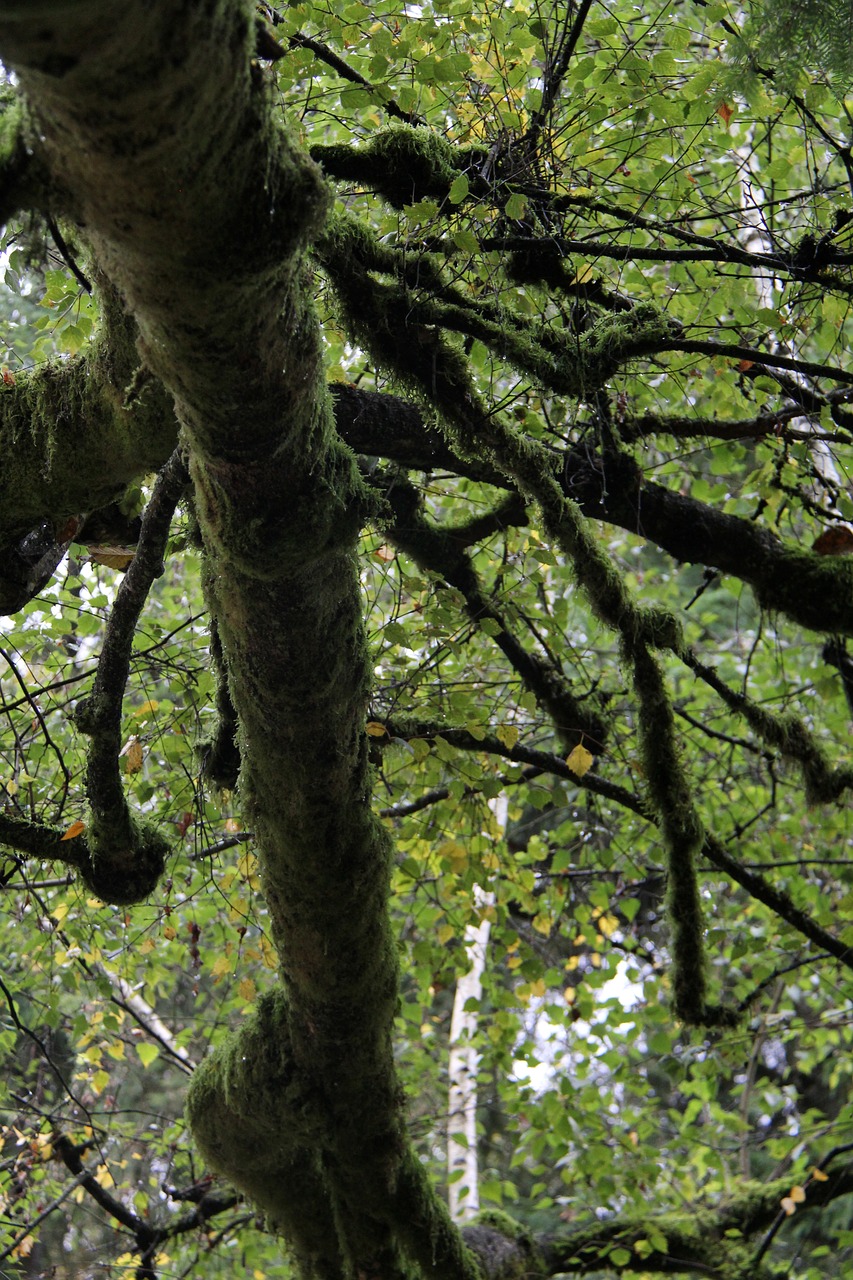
<point>426,589</point>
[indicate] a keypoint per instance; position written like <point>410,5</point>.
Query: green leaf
<point>147,1052</point>
<point>458,189</point>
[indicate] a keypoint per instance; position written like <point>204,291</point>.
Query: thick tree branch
<point>302,1107</point>
<point>703,1240</point>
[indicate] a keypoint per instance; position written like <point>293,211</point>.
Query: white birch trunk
<point>463,1059</point>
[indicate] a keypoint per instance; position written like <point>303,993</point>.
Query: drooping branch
<point>424,356</point>
<point>788,734</point>
<point>713,850</point>
<point>439,551</point>
<point>127,858</point>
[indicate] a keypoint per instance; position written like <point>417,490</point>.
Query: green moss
<point>815,590</point>
<point>402,163</point>
<point>68,443</point>
<point>418,161</point>
<point>505,1224</point>
<point>123,875</point>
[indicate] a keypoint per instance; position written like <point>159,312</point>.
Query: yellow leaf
<point>269,953</point>
<point>133,755</point>
<point>580,760</point>
<point>116,1050</point>
<point>247,864</point>
<point>221,966</point>
<point>147,945</point>
<point>788,1205</point>
<point>100,1080</point>
<point>376,730</point>
<point>570,995</point>
<point>819,1175</point>
<point>607,925</point>
<point>445,933</point>
<point>111,559</point>
<point>43,1147</point>
<point>148,1053</point>
<point>24,1247</point>
<point>386,554</point>
<point>169,932</point>
<point>797,1194</point>
<point>584,274</point>
<point>247,989</point>
<point>149,705</point>
<point>542,924</point>
<point>76,829</point>
<point>508,735</point>
<point>104,1177</point>
<point>59,912</point>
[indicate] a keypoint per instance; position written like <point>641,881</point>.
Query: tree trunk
<point>158,131</point>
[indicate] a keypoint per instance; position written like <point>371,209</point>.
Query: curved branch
<point>126,859</point>
<point>442,552</point>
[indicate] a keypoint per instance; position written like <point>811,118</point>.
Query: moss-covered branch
<point>710,1240</point>
<point>402,164</point>
<point>127,857</point>
<point>813,590</point>
<point>426,359</point>
<point>71,436</point>
<point>788,734</point>
<point>568,363</point>
<point>440,551</point>
<point>24,184</point>
<point>71,440</point>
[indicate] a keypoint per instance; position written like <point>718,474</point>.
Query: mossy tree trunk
<point>156,130</point>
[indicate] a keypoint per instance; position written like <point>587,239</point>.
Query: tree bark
<point>159,132</point>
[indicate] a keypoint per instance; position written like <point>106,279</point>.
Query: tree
<point>507,335</point>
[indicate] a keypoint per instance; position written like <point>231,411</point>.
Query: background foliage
<point>651,180</point>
